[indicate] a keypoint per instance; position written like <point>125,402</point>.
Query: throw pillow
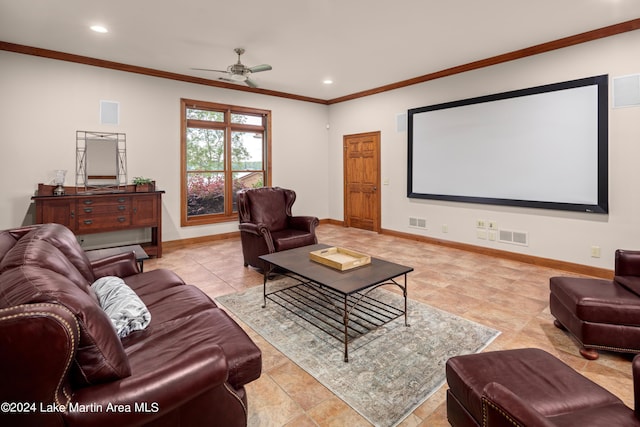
<point>122,305</point>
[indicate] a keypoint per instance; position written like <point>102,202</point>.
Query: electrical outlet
<point>493,225</point>
<point>482,234</point>
<point>445,228</point>
<point>493,235</point>
<point>480,223</point>
<point>595,251</point>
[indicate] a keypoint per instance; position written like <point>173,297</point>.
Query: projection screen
<point>542,147</point>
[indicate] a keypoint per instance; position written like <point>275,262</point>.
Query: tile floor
<point>507,295</point>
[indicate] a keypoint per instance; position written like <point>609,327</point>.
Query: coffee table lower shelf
<point>342,316</point>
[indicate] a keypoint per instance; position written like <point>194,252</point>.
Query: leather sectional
<point>62,363</point>
<point>530,387</point>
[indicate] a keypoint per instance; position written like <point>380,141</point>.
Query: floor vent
<point>417,222</point>
<point>514,237</point>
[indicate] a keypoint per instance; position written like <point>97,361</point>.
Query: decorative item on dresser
<point>100,212</point>
<point>144,184</point>
<point>59,181</point>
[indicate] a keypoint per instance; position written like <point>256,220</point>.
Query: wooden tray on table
<point>340,258</point>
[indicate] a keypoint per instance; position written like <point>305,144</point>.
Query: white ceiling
<point>359,44</point>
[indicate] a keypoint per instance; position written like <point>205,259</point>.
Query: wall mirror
<point>101,161</point>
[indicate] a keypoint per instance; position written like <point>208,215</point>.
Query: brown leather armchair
<point>267,225</point>
<point>601,314</point>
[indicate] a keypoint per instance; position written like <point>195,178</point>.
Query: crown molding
<point>86,60</point>
<point>588,36</point>
<point>585,37</point>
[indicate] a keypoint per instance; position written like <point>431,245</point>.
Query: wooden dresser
<point>101,212</point>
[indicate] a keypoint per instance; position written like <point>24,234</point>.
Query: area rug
<point>391,370</point>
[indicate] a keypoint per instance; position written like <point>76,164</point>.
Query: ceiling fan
<point>239,72</point>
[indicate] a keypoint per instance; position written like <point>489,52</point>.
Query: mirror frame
<point>101,161</point>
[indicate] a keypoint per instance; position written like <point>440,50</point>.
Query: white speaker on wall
<point>401,122</point>
<point>109,112</point>
<point>626,91</point>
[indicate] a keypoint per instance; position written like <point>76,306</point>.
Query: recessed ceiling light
<point>99,29</point>
<point>327,81</point>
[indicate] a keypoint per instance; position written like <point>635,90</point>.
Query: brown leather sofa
<point>601,314</point>
<point>530,387</point>
<point>267,224</point>
<point>62,363</point>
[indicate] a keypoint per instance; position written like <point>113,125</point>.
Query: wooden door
<point>362,180</point>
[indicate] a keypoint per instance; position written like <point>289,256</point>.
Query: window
<point>224,149</point>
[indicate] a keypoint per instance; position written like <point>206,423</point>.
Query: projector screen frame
<point>601,206</point>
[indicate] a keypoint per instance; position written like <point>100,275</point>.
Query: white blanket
<point>125,309</point>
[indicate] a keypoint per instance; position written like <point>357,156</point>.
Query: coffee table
<point>141,255</point>
<point>322,291</point>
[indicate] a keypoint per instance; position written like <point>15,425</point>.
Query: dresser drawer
<point>113,209</point>
<point>106,222</point>
<point>103,201</point>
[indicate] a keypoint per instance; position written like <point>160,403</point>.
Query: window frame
<point>228,127</point>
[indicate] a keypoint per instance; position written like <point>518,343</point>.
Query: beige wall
<point>44,102</point>
<point>557,235</point>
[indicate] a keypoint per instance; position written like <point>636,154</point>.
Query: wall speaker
<point>626,91</point>
<point>401,122</point>
<point>109,112</point>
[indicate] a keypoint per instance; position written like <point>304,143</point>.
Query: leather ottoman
<point>599,313</point>
<point>527,387</point>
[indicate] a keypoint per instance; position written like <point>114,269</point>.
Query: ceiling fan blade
<point>258,68</point>
<point>208,69</point>
<point>249,82</point>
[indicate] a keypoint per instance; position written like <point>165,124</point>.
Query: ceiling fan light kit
<point>239,72</point>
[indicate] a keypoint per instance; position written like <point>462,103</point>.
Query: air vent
<point>514,237</point>
<point>417,222</point>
